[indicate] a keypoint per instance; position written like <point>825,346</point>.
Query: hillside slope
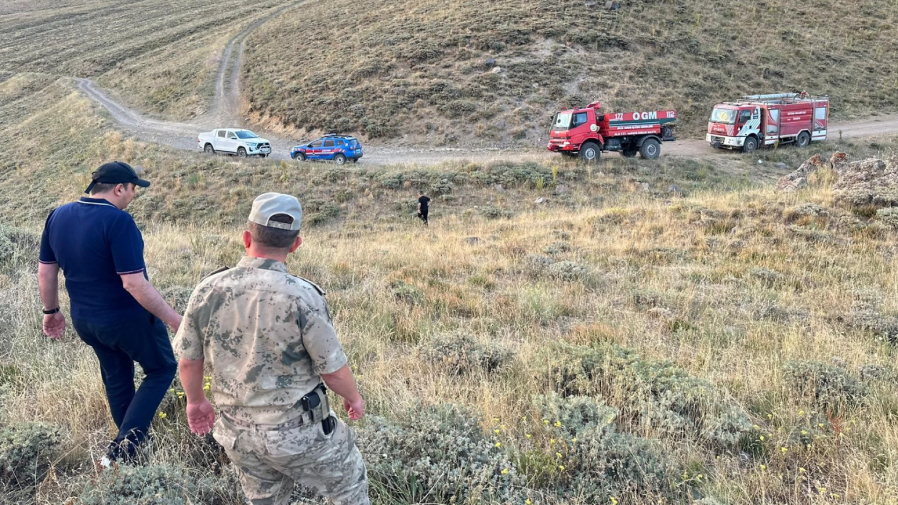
<point>423,71</point>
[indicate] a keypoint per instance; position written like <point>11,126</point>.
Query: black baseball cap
<point>115,172</point>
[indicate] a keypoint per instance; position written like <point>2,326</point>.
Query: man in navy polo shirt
<point>115,309</point>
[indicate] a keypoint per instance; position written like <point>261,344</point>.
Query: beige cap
<point>269,204</point>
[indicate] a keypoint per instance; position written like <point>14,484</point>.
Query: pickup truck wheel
<point>300,157</point>
<point>208,149</point>
<point>590,153</point>
<point>650,149</point>
<point>241,152</point>
<point>750,145</point>
<point>803,139</point>
<point>340,159</point>
<point>629,153</point>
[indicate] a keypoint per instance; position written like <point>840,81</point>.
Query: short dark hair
<point>275,238</point>
<point>102,187</point>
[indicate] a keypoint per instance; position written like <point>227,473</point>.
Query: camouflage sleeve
<point>189,341</point>
<point>319,337</point>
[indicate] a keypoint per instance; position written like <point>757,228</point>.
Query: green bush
<point>827,385</point>
<point>17,242</point>
<point>26,453</point>
<point>651,395</point>
<point>437,454</point>
<point>461,354</point>
<point>602,462</point>
<point>161,484</point>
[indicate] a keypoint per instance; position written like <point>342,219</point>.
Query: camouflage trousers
<point>269,462</point>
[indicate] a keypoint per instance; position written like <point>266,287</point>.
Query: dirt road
<point>225,106</point>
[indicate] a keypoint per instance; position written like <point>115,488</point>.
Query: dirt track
<point>224,108</point>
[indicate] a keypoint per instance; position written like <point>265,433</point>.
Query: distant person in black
<point>423,206</point>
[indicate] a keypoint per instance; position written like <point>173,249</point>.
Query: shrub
<point>882,327</point>
<point>439,453</point>
<point>603,462</point>
<point>407,293</point>
<point>828,385</point>
<point>567,271</point>
<point>26,452</point>
<point>461,354</point>
<point>652,395</point>
<point>16,240</point>
<point>161,484</point>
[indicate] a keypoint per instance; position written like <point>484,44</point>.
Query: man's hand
<point>175,324</point>
<point>355,409</point>
<point>200,416</point>
<point>54,325</point>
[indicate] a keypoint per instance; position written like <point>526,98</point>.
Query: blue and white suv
<point>338,148</point>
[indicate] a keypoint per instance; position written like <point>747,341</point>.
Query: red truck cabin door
<point>580,121</point>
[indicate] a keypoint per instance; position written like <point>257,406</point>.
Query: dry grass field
<point>160,56</point>
<point>420,71</point>
<point>622,341</point>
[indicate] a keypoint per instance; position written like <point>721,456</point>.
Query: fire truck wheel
<point>803,139</point>
<point>590,153</point>
<point>750,145</point>
<point>629,153</point>
<point>650,149</point>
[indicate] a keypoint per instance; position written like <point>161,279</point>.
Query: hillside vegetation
<point>648,332</point>
<point>420,70</point>
<point>160,56</point>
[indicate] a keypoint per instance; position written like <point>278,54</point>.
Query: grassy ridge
<point>160,56</point>
<point>417,71</point>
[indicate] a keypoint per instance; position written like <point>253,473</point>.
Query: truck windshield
<point>725,116</point>
<point>562,121</point>
<point>246,134</point>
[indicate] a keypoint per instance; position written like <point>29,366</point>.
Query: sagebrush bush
<point>159,484</point>
<point>27,451</point>
<point>437,454</point>
<point>653,395</point>
<point>460,353</point>
<point>17,242</point>
<point>826,385</point>
<point>601,462</point>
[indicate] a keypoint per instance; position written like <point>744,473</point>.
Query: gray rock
<point>496,70</point>
<point>799,179</point>
<point>781,166</point>
<point>498,187</point>
<point>539,200</point>
<point>489,62</point>
<point>612,6</point>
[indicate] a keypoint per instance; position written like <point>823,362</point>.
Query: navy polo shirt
<point>94,242</point>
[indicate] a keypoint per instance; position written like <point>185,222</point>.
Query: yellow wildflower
<point>497,430</point>
<point>613,501</point>
<point>763,467</point>
<point>498,444</point>
<point>504,471</point>
<point>163,415</point>
<point>557,454</point>
<point>561,467</point>
<point>557,424</point>
<point>801,470</point>
<point>527,435</point>
<point>784,450</point>
<point>527,501</point>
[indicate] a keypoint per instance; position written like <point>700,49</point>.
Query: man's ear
<point>247,239</point>
<point>296,243</point>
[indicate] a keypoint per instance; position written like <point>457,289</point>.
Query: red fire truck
<point>587,132</point>
<point>763,120</point>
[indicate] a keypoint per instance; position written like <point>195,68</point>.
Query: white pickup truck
<point>243,143</point>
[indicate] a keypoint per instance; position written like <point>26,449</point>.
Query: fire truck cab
<point>762,120</point>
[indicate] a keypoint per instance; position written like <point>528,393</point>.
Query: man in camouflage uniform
<point>268,338</point>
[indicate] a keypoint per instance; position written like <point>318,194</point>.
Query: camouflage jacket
<point>266,335</point>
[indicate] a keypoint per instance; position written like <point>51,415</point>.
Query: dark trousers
<point>423,216</point>
<point>118,345</point>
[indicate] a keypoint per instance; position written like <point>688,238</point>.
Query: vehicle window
<point>820,113</point>
<point>232,136</point>
<point>340,143</point>
<point>579,119</point>
<point>562,121</point>
<point>317,143</point>
<point>221,134</point>
<point>744,116</point>
<point>725,116</point>
<point>328,143</point>
<point>246,134</point>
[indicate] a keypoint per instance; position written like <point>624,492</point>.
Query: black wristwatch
<point>51,311</point>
